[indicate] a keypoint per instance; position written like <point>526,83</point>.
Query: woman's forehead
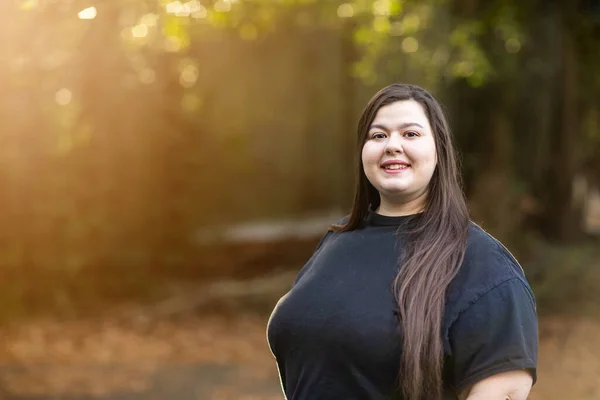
<point>404,111</point>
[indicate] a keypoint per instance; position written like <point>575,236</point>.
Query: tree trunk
<point>492,201</point>
<point>562,218</point>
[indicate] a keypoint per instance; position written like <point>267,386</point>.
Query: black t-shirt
<point>336,334</point>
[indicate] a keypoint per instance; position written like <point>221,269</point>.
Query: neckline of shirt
<point>376,219</point>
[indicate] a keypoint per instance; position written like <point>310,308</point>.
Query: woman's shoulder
<point>344,220</point>
<point>487,264</point>
<point>486,254</point>
<point>489,273</point>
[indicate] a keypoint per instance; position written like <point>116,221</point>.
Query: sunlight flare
<point>88,13</point>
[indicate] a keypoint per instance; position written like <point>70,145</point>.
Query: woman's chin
<point>395,190</point>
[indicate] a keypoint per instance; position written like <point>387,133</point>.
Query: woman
<point>406,298</point>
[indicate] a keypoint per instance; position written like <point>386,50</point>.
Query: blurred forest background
<point>167,166</point>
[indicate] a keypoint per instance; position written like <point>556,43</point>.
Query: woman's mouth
<point>395,168</point>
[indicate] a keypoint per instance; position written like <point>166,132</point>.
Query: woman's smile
<point>394,167</point>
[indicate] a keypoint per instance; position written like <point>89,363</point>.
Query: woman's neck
<point>398,209</point>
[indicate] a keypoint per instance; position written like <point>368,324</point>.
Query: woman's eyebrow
<point>401,126</point>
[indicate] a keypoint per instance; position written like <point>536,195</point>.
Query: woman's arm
<point>510,385</point>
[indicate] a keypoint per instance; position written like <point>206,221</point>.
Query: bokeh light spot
<point>186,10</point>
<point>222,6</point>
<point>382,7</point>
<point>63,97</point>
<point>88,13</point>
<point>381,24</point>
<point>410,45</point>
<point>174,8</point>
<point>197,10</point>
<point>512,45</point>
<point>189,76</point>
<point>345,10</point>
<point>139,31</point>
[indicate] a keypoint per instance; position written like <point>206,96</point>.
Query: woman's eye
<point>378,136</point>
<point>411,134</point>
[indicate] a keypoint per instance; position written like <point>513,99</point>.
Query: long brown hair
<point>435,246</point>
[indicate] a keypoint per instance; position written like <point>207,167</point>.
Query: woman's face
<point>399,155</point>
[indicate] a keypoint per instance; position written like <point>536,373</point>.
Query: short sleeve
<point>497,333</point>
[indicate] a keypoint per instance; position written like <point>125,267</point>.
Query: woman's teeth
<point>396,166</point>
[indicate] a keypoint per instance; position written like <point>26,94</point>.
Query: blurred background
<point>167,166</point>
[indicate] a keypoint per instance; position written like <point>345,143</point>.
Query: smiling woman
<point>405,298</point>
<point>399,157</point>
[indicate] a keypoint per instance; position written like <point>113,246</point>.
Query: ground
<point>210,357</point>
<point>218,357</point>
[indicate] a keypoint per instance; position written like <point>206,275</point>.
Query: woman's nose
<point>394,145</point>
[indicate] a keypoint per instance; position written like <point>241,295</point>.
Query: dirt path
<point>181,382</point>
<point>569,365</point>
<point>214,358</point>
